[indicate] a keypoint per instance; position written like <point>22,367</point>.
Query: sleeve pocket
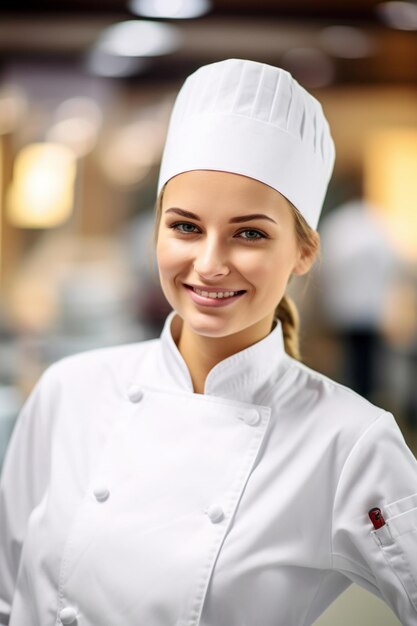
<point>398,541</point>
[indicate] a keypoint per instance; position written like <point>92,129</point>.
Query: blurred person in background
<point>355,277</point>
<point>209,477</point>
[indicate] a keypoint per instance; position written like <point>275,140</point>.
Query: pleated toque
<point>253,119</point>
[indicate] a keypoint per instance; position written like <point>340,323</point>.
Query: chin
<point>213,327</point>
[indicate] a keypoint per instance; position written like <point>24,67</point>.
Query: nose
<point>210,260</point>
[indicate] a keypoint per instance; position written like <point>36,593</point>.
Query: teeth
<point>214,294</point>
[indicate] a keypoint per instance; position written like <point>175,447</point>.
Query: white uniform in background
<point>127,499</point>
<point>358,267</point>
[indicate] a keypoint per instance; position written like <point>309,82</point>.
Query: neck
<point>202,353</point>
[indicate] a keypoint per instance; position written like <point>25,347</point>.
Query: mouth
<point>215,294</point>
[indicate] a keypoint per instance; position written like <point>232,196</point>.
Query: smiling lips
<point>211,293</point>
<point>213,298</point>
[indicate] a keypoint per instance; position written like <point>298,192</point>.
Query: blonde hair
<point>286,311</point>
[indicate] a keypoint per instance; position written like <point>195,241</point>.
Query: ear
<point>306,256</point>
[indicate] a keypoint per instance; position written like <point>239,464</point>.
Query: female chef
<point>207,477</point>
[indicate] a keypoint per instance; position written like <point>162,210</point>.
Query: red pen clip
<point>376,517</point>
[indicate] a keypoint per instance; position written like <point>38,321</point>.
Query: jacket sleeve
<point>23,482</point>
<point>380,471</point>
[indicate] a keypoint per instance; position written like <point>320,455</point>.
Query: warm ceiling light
<point>175,9</point>
<point>42,192</point>
<point>138,38</point>
<point>401,15</point>
<point>391,185</point>
<point>346,42</point>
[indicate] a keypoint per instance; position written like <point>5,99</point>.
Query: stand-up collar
<point>238,376</point>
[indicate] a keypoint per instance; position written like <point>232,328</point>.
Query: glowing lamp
<point>390,182</point>
<point>42,192</point>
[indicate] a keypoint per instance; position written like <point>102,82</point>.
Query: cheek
<point>169,256</point>
<point>270,268</point>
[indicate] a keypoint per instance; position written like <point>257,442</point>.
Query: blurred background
<point>86,89</point>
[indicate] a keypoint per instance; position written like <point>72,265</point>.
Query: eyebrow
<point>233,220</point>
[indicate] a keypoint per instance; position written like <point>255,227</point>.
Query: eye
<point>251,230</point>
<point>176,225</point>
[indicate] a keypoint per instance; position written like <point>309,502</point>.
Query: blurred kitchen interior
<point>86,88</point>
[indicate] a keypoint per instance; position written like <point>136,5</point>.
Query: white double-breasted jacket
<point>128,499</point>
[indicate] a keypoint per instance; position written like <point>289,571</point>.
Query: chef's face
<point>219,248</point>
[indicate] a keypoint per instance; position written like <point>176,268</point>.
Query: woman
<point>208,477</point>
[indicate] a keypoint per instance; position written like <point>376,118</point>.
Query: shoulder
<point>325,407</point>
<point>336,428</point>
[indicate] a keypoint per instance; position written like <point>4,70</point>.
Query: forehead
<point>221,189</point>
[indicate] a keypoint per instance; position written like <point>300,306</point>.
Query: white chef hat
<point>253,119</point>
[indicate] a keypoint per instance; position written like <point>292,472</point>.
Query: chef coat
<point>126,498</point>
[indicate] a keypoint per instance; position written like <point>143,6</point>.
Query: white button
<point>215,513</point>
<point>68,615</point>
<point>252,417</point>
<point>135,393</point>
<point>101,493</point>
